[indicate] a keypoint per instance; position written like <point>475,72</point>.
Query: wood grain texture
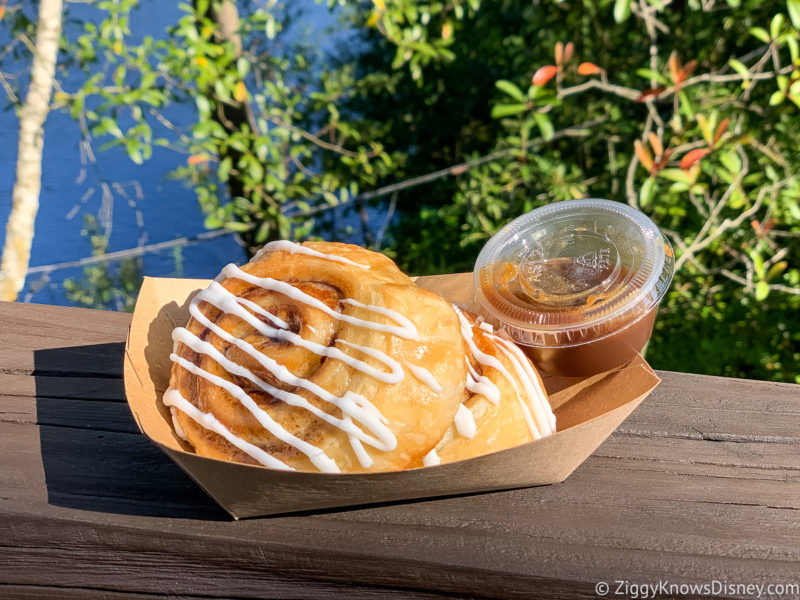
<point>702,482</point>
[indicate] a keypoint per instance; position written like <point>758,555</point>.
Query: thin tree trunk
<point>232,116</point>
<point>25,197</point>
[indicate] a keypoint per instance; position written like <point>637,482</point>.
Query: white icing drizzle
<point>264,313</point>
<point>173,398</point>
<point>405,330</point>
<point>293,247</point>
<point>425,377</point>
<point>465,422</point>
<point>431,459</point>
<point>226,301</point>
<point>317,457</point>
<point>480,384</point>
<point>491,361</point>
<point>545,419</point>
<point>176,424</point>
<point>356,410</point>
<point>358,449</point>
<point>351,404</point>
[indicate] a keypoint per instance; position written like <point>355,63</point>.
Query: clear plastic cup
<point>575,283</point>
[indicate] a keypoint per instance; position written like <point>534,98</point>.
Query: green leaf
<point>740,68</point>
<point>505,110</point>
<point>650,74</point>
<point>647,191</point>
<point>731,161</point>
<point>511,89</point>
<point>212,222</point>
<point>760,33</point>
<point>237,227</point>
<point>224,169</point>
<point>793,8</point>
<point>622,10</point>
<point>545,125</point>
<point>762,290</point>
<point>776,269</point>
<point>676,175</point>
<point>776,98</point>
<point>794,48</point>
<point>758,263</point>
<point>775,26</point>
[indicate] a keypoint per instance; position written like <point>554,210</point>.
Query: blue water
<point>165,210</point>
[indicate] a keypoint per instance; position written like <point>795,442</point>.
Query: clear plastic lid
<point>572,272</point>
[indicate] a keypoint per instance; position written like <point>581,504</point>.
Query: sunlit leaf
<point>721,129</point>
<point>793,8</point>
<point>693,157</point>
<point>588,68</point>
<point>511,89</point>
<point>240,92</point>
<point>647,191</point>
<point>197,159</point>
<point>776,270</point>
<point>643,154</point>
<point>545,125</point>
<point>622,10</point>
<point>544,74</point>
<point>569,51</point>
<point>760,33</point>
<point>762,290</point>
<point>505,110</point>
<point>655,144</point>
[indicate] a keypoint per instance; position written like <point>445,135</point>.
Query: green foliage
<point>269,146</point>
<point>105,286</point>
<point>701,135</point>
<point>688,111</point>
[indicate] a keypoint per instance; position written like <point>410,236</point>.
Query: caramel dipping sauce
<point>576,284</point>
<point>596,348</point>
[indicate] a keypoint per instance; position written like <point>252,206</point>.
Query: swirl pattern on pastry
<point>317,357</point>
<point>504,404</point>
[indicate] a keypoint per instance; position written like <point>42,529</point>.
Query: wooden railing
<point>700,486</point>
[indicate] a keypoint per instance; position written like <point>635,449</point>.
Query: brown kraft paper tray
<point>587,412</point>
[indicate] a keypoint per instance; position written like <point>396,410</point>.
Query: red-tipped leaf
<point>198,159</point>
<point>544,74</point>
<point>643,154</point>
<point>650,93</point>
<point>693,157</point>
<point>688,69</point>
<point>655,144</point>
<point>569,51</point>
<point>721,129</point>
<point>587,68</point>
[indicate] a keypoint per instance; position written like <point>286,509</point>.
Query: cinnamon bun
<point>503,404</point>
<point>317,357</point>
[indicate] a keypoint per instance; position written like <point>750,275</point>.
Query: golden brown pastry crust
<point>415,413</point>
<point>501,424</point>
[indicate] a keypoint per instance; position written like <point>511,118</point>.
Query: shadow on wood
<point>93,456</point>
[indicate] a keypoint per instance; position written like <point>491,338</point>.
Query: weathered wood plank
<point>702,482</point>
<point>718,409</point>
<point>84,388</point>
<point>66,412</point>
<point>89,342</point>
<point>644,521</point>
<point>103,471</point>
<point>300,589</point>
<point>467,554</point>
